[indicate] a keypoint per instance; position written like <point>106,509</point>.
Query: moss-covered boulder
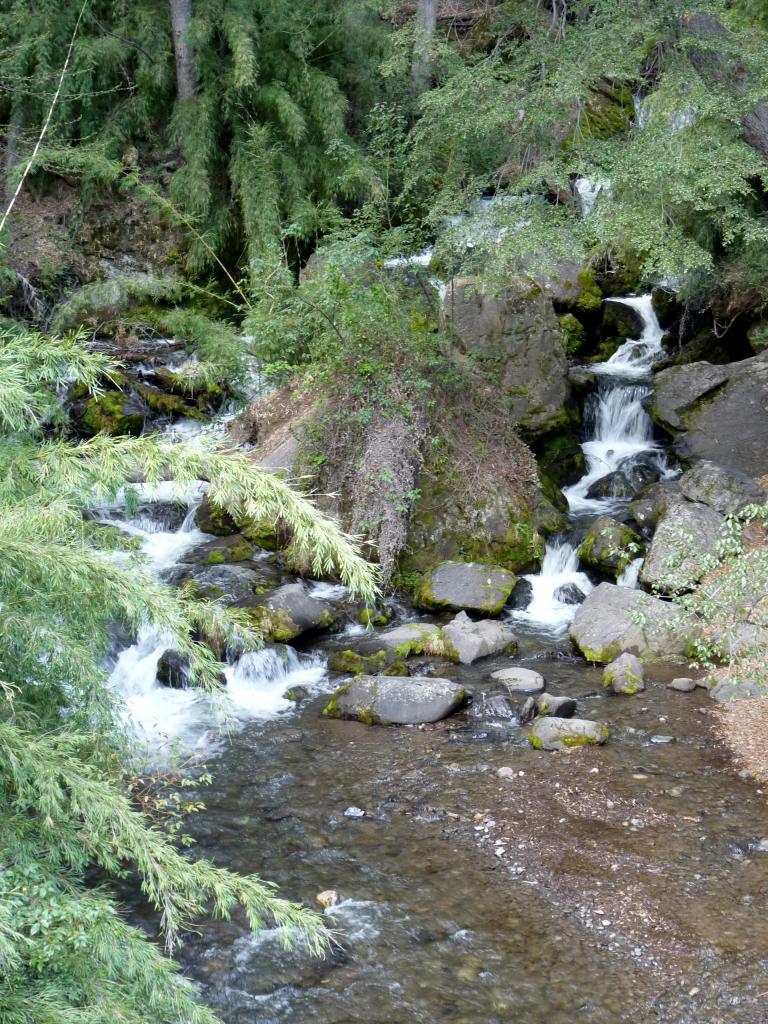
<point>457,585</point>
<point>609,546</point>
<point>114,412</point>
<point>290,611</point>
<point>211,519</point>
<point>624,675</point>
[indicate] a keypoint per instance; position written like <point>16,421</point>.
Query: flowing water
<point>627,883</point>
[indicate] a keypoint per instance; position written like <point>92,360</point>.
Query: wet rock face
<point>569,593</point>
<point>384,700</point>
<point>719,412</point>
<point>685,536</point>
<point>521,595</point>
<point>467,640</point>
<point>519,333</point>
<point>624,675</point>
<point>564,733</point>
<point>724,490</point>
<point>457,585</point>
<point>654,502</point>
<point>604,626</point>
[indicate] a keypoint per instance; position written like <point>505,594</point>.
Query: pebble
<point>506,773</point>
<point>662,739</point>
<point>354,812</point>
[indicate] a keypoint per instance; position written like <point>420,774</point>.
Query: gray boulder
<point>655,501</point>
<point>730,428</point>
<point>563,733</point>
<point>398,700</point>
<point>678,389</point>
<point>516,334</point>
<point>624,675</point>
<point>615,619</point>
<point>569,593</point>
<point>522,595</point>
<point>519,680</point>
<point>289,611</point>
<point>725,490</point>
<point>230,583</point>
<point>686,535</point>
<point>725,688</point>
<point>456,585</point>
<point>466,641</point>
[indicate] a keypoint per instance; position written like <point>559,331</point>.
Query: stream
<point>622,883</point>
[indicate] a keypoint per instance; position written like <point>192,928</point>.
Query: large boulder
<point>725,490</point>
<point>718,412</point>
<point>466,641</point>
<point>409,638</point>
<point>615,619</point>
<point>399,700</point>
<point>609,546</point>
<point>289,611</point>
<point>684,539</point>
<point>549,733</point>
<point>518,335</point>
<point>457,585</point>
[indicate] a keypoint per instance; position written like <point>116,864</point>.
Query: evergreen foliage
<point>64,805</point>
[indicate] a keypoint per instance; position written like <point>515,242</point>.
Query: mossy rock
<point>374,617</point>
<point>167,404</point>
<point>217,521</point>
<point>354,664</point>
<point>114,412</point>
<point>263,533</point>
<point>574,334</point>
<point>590,298</point>
<point>608,112</point>
<point>609,546</point>
<point>275,624</point>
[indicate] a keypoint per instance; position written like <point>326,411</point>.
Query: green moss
<point>261,532</point>
<point>590,298</point>
<point>352,663</point>
<point>110,413</point>
<point>535,742</point>
<point>274,623</point>
<point>168,404</point>
<point>574,334</point>
<point>398,668</point>
<point>240,552</point>
<point>296,694</point>
<point>374,617</point>
<point>216,557</point>
<point>331,709</point>
<point>367,717</point>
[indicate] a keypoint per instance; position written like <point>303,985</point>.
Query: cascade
<point>619,440</point>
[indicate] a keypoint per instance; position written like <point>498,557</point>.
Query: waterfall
<point>255,684</point>
<point>619,439</point>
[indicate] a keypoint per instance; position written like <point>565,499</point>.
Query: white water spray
<point>559,569</point>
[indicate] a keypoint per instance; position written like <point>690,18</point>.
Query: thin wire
<point>35,151</point>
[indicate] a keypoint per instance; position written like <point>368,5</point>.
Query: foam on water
<point>559,568</point>
<point>256,683</point>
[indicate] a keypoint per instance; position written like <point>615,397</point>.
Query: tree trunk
<point>186,78</point>
<point>426,23</point>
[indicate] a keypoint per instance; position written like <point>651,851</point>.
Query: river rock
<point>563,733</point>
<point>605,626</point>
<point>686,535</point>
<point>725,688</point>
<point>609,546</point>
<point>233,548</point>
<point>237,584</point>
<point>569,593</point>
<point>519,680</point>
<point>473,585</point>
<point>466,641</point>
<point>730,428</point>
<point>624,675</point>
<point>724,490</point>
<point>490,707</point>
<point>654,501</point>
<point>173,670</point>
<point>555,707</point>
<point>612,485</point>
<point>289,611</point>
<point>409,638</point>
<point>521,595</point>
<point>516,334</point>
<point>682,685</point>
<point>398,700</point>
